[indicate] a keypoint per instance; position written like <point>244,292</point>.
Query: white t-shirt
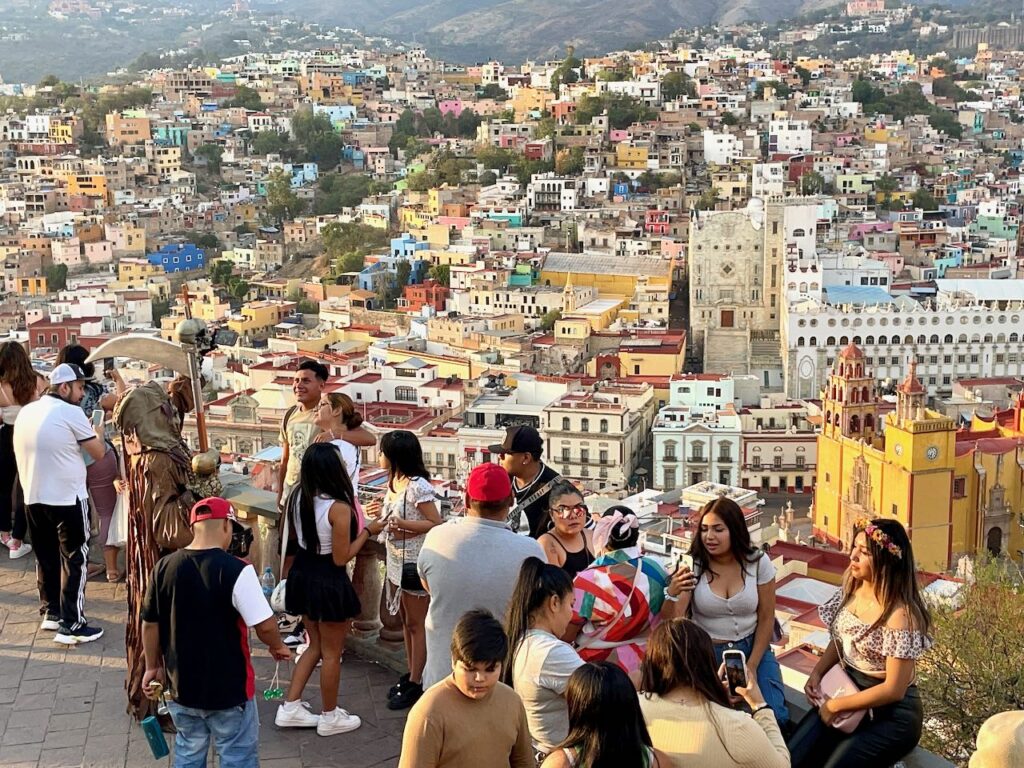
<point>540,675</point>
<point>47,434</point>
<point>731,618</point>
<point>248,599</point>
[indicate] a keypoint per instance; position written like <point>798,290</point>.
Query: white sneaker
<point>21,551</point>
<point>295,714</point>
<point>337,721</point>
<point>50,623</point>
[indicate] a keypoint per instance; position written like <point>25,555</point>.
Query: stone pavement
<point>66,706</point>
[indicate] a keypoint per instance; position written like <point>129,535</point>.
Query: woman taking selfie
<point>731,596</point>
<point>687,708</point>
<point>19,386</point>
<point>322,516</point>
<point>879,627</point>
<point>619,597</point>
<point>606,727</point>
<point>567,543</point>
<point>409,510</point>
<point>539,664</point>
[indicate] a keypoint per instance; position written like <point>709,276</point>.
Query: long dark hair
<point>322,473</point>
<point>404,454</point>
<point>537,582</point>
<point>76,355</point>
<point>729,512</point>
<point>606,725</point>
<point>16,370</point>
<point>894,576</point>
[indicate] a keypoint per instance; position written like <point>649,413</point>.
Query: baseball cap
<point>65,373</point>
<point>212,508</point>
<point>519,440</point>
<point>488,482</point>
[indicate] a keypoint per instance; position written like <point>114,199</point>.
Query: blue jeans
<point>235,731</point>
<point>769,675</point>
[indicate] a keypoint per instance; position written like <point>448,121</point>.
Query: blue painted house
<point>178,257</point>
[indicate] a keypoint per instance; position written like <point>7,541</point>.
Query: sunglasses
<point>567,512</point>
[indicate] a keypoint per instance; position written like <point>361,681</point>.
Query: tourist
<point>519,454</point>
<point>328,530</point>
<point>470,562</point>
<point>539,663</point>
<point>687,708</point>
<point>606,727</point>
<point>470,719</point>
<point>621,595</point>
<point>50,436</point>
<point>19,386</point>
<point>199,605</point>
<point>733,596</point>
<point>879,627</point>
<point>411,511</point>
<point>568,544</point>
<point>335,418</point>
<point>103,477</point>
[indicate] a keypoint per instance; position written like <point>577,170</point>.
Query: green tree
<point>496,158</point>
<point>403,271</point>
<point>345,237</point>
<point>547,322</point>
<point>207,240</point>
<point>728,118</point>
<point>442,273</point>
<point>493,91</point>
<point>221,271</point>
<point>161,309</point>
<point>487,178</point>
<point>336,191</point>
<point>925,200</point>
<point>282,202</point>
<point>812,183</point>
<point>238,288</point>
<point>316,134</point>
<point>420,181</point>
<point>569,162</point>
<point>676,84</point>
<point>467,123</point>
<point>351,262</point>
<point>247,98</point>
<point>804,74</point>
<point>212,154</point>
<point>708,200</point>
<point>56,277</point>
<point>49,81</point>
<point>973,669</point>
<point>782,90</point>
<point>269,143</point>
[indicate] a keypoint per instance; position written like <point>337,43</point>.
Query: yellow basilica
<point>956,490</point>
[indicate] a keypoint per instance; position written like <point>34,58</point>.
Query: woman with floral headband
<point>879,628</point>
<point>620,596</point>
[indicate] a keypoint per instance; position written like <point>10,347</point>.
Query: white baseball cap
<point>65,373</point>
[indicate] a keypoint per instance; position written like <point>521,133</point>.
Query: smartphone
<point>97,417</point>
<point>108,364</point>
<point>735,670</point>
<point>680,560</point>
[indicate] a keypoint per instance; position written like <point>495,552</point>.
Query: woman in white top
<point>19,386</point>
<point>687,708</point>
<point>323,519</point>
<point>539,663</point>
<point>731,596</point>
<point>410,510</point>
<point>335,417</point>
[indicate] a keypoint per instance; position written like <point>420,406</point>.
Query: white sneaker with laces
<point>337,721</point>
<point>296,714</point>
<point>21,551</point>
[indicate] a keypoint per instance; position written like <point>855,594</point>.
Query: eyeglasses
<point>565,513</point>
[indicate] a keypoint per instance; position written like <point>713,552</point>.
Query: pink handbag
<point>837,683</point>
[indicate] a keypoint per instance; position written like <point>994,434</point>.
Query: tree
<point>56,277</point>
<point>569,162</point>
<point>316,134</point>
<point>728,118</point>
<point>973,670</point>
<point>467,123</point>
<point>487,178</point>
<point>493,91</point>
<point>402,274</point>
<point>247,98</point>
<point>212,154</point>
<point>161,309</point>
<point>782,90</point>
<point>925,200</point>
<point>282,202</point>
<point>351,262</point>
<point>442,273</point>
<point>49,81</point>
<point>420,181</point>
<point>336,192</point>
<point>811,183</point>
<point>496,158</point>
<point>804,74</point>
<point>220,272</point>
<point>547,322</point>
<point>676,84</point>
<point>269,143</point>
<point>238,288</point>
<point>208,240</point>
<point>708,200</point>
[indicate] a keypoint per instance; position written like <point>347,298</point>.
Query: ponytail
<point>537,582</point>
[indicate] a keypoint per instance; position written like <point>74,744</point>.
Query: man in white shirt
<point>50,436</point>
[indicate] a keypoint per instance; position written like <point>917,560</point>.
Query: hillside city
<point>698,269</point>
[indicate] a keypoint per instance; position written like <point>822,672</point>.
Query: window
<point>405,394</point>
<point>604,425</point>
<point>602,457</point>
<point>670,452</point>
<point>565,424</point>
<point>895,510</point>
<point>585,425</point>
<point>565,455</point>
<point>959,487</point>
<point>755,462</point>
<point>584,456</point>
<point>777,462</point>
<point>801,461</point>
<point>670,478</point>
<point>697,452</point>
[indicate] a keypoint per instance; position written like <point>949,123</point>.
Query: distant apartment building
<point>178,257</point>
<point>549,192</point>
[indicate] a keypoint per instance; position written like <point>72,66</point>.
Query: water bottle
<point>268,581</point>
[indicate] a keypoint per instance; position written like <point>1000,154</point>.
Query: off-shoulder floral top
<point>867,649</point>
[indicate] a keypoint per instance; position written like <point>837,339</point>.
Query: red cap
<point>488,482</point>
<point>213,508</point>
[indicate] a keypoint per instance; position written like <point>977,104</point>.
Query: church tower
<point>910,398</point>
<point>568,296</point>
<point>849,403</point>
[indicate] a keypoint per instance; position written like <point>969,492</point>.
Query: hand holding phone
<point>735,663</point>
<point>680,560</point>
<point>97,417</point>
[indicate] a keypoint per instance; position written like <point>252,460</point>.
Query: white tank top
<point>321,508</point>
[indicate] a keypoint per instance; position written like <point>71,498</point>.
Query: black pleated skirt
<point>319,589</point>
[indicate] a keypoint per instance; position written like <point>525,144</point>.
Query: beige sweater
<point>688,736</point>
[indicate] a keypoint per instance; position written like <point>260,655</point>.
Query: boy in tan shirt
<point>469,719</point>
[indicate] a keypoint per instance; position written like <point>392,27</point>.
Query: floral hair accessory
<point>880,537</point>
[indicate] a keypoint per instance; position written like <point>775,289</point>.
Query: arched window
<point>921,340</point>
<point>908,339</point>
<point>604,425</point>
<point>870,341</point>
<point>948,338</point>
<point>883,340</point>
<point>856,340</point>
<point>800,341</point>
<point>933,339</point>
<point>830,341</point>
<point>814,341</point>
<point>869,422</point>
<point>962,338</point>
<point>799,232</point>
<point>855,424</point>
<point>865,395</point>
<point>1014,338</point>
<point>844,340</point>
<point>585,425</point>
<point>856,395</point>
<point>988,338</point>
<point>828,417</point>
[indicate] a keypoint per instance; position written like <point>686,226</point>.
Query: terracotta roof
<point>851,352</point>
<point>911,385</point>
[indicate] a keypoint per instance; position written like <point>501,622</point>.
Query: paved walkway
<point>66,707</point>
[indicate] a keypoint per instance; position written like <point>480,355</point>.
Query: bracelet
<point>760,709</point>
<point>672,598</point>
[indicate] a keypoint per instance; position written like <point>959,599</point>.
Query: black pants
<point>60,536</point>
<point>12,508</point>
<point>879,741</point>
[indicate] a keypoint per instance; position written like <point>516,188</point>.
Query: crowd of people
<point>537,632</point>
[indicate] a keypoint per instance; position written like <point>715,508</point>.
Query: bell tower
<point>910,396</point>
<point>849,403</point>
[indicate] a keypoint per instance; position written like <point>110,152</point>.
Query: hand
<point>682,580</point>
<point>280,652</point>
<point>752,692</point>
<point>373,508</point>
<point>120,485</point>
<point>812,689</point>
<point>827,712</point>
<point>280,504</point>
<point>375,527</point>
<point>150,676</point>
<point>323,437</point>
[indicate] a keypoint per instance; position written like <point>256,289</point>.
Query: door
<point>727,318</point>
